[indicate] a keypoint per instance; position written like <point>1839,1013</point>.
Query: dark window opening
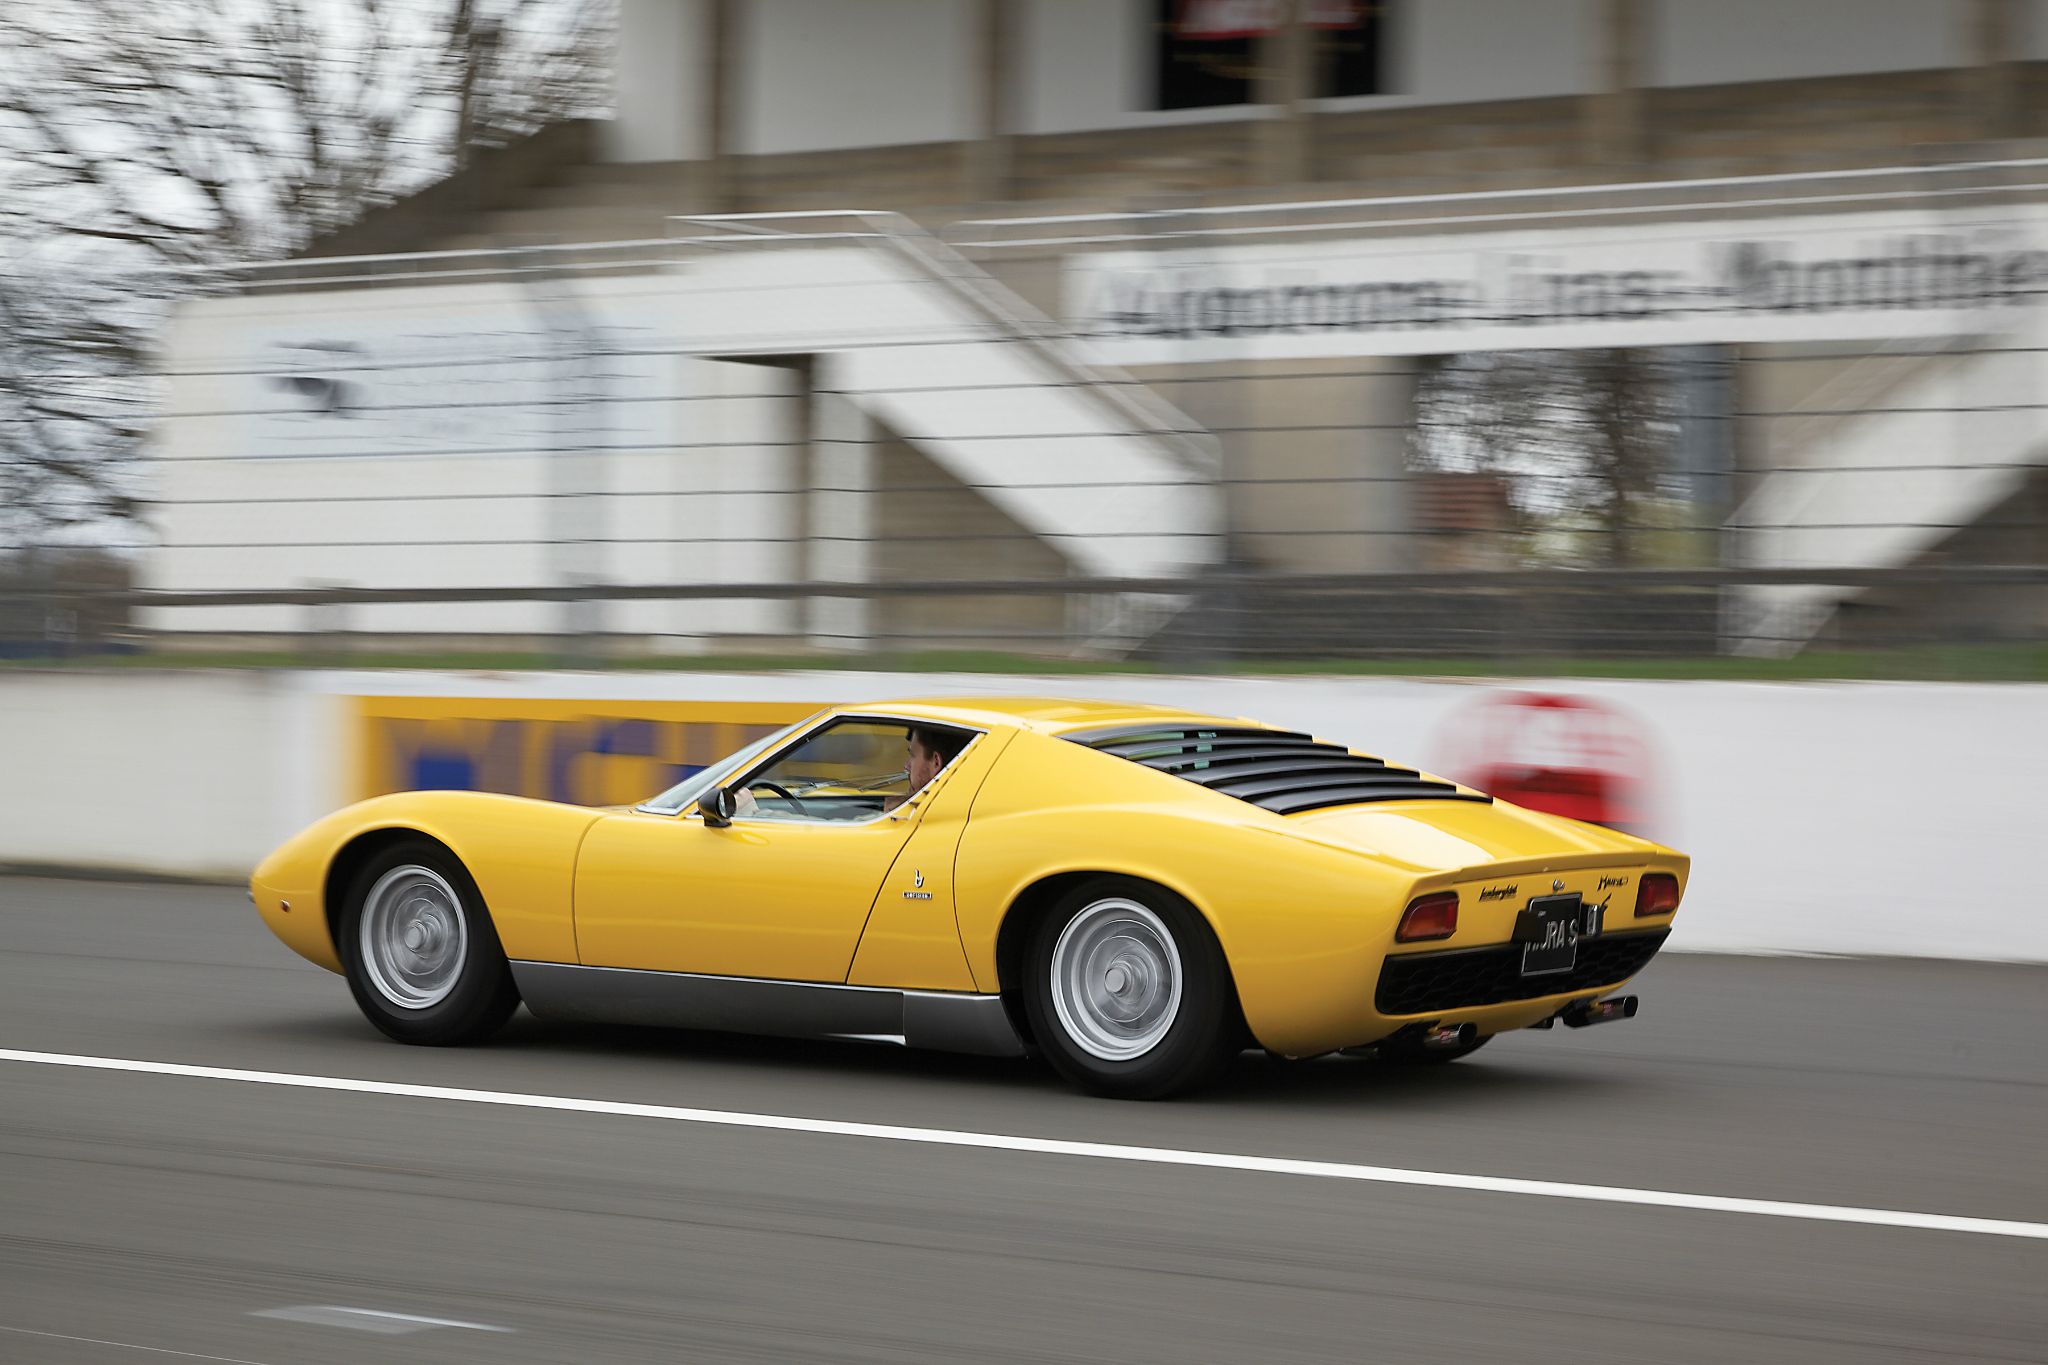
<point>1207,51</point>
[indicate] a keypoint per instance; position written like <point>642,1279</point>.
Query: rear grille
<point>1277,770</point>
<point>1428,983</point>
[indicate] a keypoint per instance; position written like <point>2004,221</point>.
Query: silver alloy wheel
<point>1116,979</point>
<point>413,936</point>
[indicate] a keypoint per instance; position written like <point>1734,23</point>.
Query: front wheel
<point>418,948</point>
<point>1128,993</point>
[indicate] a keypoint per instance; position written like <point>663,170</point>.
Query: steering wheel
<point>782,792</point>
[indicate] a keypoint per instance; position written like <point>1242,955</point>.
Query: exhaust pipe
<point>1599,1012</point>
<point>1450,1037</point>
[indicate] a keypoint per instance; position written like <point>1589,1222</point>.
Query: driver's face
<point>923,764</point>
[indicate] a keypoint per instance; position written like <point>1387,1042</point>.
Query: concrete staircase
<point>1952,434</point>
<point>983,385</point>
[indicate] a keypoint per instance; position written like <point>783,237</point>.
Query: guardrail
<point>1958,575</point>
<point>1212,618</point>
<point>1581,203</point>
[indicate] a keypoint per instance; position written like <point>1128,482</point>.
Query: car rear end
<point>1505,918</point>
<point>1510,946</point>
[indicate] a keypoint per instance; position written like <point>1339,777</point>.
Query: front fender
<point>521,854</point>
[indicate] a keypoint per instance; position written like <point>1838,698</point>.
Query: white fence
<point>1853,818</point>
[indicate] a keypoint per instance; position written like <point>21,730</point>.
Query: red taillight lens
<point>1656,894</point>
<point>1429,917</point>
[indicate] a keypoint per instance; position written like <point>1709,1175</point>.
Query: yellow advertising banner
<point>585,752</point>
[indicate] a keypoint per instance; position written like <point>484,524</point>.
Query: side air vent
<point>1278,770</point>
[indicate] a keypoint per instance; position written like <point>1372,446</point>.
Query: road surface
<point>250,1220</point>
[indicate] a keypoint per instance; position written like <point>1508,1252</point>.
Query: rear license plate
<point>1549,932</point>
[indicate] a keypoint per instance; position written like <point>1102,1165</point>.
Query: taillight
<point>1429,917</point>
<point>1656,894</point>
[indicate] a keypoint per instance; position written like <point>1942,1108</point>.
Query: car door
<point>782,892</point>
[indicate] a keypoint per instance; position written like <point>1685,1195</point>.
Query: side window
<point>851,770</point>
<point>1206,52</point>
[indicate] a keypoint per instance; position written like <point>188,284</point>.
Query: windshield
<point>704,779</point>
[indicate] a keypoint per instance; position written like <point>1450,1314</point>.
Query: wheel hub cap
<point>1116,981</point>
<point>414,937</point>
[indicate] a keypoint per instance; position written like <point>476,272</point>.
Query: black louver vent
<point>1278,770</point>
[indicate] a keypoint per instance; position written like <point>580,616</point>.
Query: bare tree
<point>1584,440</point>
<point>71,348</point>
<point>138,139</point>
<point>1629,429</point>
<point>516,65</point>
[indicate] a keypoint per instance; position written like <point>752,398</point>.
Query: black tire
<point>477,994</point>
<point>1195,1040</point>
<point>1411,1052</point>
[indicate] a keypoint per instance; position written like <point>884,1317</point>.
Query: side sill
<point>943,1021</point>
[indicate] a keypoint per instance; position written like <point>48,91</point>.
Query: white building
<point>1269,215</point>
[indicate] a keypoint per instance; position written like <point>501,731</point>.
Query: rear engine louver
<point>1277,770</point>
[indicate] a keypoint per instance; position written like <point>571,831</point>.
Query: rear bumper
<point>1416,985</point>
<point>1481,986</point>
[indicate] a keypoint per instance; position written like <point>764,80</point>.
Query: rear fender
<point>1301,927</point>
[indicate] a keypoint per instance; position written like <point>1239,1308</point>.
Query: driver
<point>926,753</point>
<point>927,750</point>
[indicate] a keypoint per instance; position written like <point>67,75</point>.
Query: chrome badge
<point>1556,883</point>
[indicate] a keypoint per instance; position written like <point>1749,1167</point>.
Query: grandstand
<point>1078,291</point>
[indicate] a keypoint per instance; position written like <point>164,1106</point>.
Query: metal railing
<point>1217,619</point>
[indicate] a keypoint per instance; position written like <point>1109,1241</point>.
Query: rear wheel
<point>1128,993</point>
<point>419,950</point>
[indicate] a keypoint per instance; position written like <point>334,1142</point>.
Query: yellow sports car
<point>1133,892</point>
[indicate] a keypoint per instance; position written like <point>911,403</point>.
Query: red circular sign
<point>1565,755</point>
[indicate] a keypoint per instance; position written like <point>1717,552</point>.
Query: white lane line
<point>1155,1156</point>
<point>130,1346</point>
<point>368,1319</point>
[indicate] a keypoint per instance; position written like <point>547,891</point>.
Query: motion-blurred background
<point>1175,331</point>
<point>1634,408</point>
<point>965,341</point>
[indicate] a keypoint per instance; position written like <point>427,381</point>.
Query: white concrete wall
<point>454,393</point>
<point>820,74</point>
<point>1695,43</point>
<point>1082,65</point>
<point>1467,51</point>
<point>659,96</point>
<point>191,774</point>
<point>1878,818</point>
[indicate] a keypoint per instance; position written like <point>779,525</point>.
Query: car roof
<point>1051,715</point>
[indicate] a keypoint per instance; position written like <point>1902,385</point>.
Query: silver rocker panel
<point>945,1021</point>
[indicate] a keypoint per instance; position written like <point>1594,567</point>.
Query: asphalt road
<point>217,1219</point>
